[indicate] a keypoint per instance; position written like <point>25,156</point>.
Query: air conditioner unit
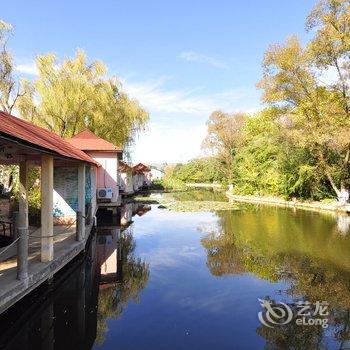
<point>104,193</point>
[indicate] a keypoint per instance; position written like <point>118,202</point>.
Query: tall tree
<point>10,88</point>
<point>330,52</point>
<point>317,111</point>
<point>69,97</point>
<point>224,132</point>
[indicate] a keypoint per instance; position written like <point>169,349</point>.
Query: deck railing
<point>22,237</point>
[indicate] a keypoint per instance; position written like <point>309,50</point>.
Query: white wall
<point>126,182</point>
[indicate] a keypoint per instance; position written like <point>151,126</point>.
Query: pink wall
<point>107,173</point>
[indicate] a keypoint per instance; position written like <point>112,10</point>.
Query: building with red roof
<point>108,156</point>
<point>66,188</point>
<point>141,177</point>
<point>24,141</point>
<point>39,140</point>
<point>126,178</point>
<point>88,141</point>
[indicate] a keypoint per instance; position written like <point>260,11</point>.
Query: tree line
<point>299,144</point>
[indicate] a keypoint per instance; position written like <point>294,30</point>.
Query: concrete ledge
<point>292,204</point>
<point>12,290</point>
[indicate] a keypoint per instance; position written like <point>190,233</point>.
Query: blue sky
<point>180,59</point>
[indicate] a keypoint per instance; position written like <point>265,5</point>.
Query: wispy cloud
<point>178,116</point>
<point>27,68</point>
<point>192,56</point>
<point>156,97</point>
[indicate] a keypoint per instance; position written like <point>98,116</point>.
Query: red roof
<point>124,167</point>
<point>88,141</point>
<point>141,168</point>
<point>27,132</point>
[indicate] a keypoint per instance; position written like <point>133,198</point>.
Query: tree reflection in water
<point>131,278</point>
<point>280,245</point>
<point>72,311</point>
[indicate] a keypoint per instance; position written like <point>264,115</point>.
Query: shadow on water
<point>71,311</point>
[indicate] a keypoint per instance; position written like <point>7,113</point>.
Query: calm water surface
<point>192,281</point>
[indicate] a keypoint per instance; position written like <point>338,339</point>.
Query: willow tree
<point>73,95</point>
<point>317,110</point>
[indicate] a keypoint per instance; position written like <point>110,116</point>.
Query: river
<point>162,279</point>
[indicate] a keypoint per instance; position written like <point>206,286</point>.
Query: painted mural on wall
<point>88,185</point>
<point>65,195</point>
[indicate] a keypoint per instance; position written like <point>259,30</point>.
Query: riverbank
<point>307,205</point>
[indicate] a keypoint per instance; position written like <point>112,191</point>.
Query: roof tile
<point>88,141</point>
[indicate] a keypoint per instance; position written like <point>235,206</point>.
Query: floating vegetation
<point>170,203</point>
<point>196,206</point>
<point>188,201</point>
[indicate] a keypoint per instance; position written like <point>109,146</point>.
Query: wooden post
<point>46,208</point>
<point>81,196</point>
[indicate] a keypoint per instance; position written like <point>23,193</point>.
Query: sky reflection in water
<point>208,270</point>
<point>192,281</point>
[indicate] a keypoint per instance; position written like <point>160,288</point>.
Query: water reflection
<point>207,272</point>
<point>123,276</point>
<point>313,262</point>
<point>72,312</point>
<point>59,316</point>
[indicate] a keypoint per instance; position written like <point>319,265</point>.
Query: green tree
<point>317,111</point>
<point>201,170</point>
<point>267,162</point>
<point>224,132</point>
<point>69,97</point>
<point>10,92</point>
<point>113,300</point>
<point>10,88</point>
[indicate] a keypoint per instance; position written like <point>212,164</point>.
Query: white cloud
<point>172,144</point>
<point>178,117</point>
<point>27,68</point>
<point>191,56</point>
<point>330,75</point>
<point>153,95</point>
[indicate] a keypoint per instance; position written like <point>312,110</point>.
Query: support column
<point>46,208</point>
<point>81,197</point>
<point>23,195</point>
<point>79,231</point>
<point>22,223</point>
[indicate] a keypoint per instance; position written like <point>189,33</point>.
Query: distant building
<point>126,180</point>
<point>156,174</point>
<point>141,176</point>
